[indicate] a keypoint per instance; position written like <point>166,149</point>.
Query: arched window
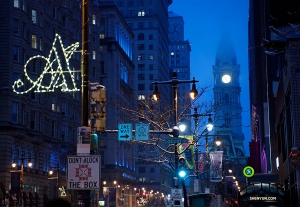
<point>141,36</point>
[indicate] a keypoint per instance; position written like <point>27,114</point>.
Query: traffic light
<point>98,107</point>
<point>182,171</point>
<point>94,141</point>
<point>295,156</point>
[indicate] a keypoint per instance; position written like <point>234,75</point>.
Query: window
<point>150,47</point>
<point>140,36</point>
<point>172,53</point>
<point>16,53</point>
<point>63,21</point>
<point>14,117</point>
<point>32,120</point>
<point>141,2</point>
<point>33,16</point>
<point>151,37</point>
<point>101,36</point>
<point>140,98</point>
<point>130,25</point>
<point>142,169</point>
<point>150,76</point>
<point>151,67</point>
<point>33,41</point>
<point>54,12</point>
<point>63,109</point>
<point>94,19</point>
<point>141,13</point>
<point>102,69</point>
<point>141,25</point>
<point>150,2</point>
<point>121,3</point>
<point>141,66</point>
<point>141,76</point>
<point>152,180</point>
<point>94,72</point>
<point>142,179</point>
<point>130,3</point>
<point>53,129</point>
<point>16,26</point>
<point>141,46</point>
<point>150,24</point>
<point>140,57</point>
<point>94,55</point>
<point>16,3</point>
<point>124,73</point>
<point>41,44</point>
<point>141,87</point>
<point>151,57</point>
<point>151,87</point>
<point>130,13</point>
<point>150,11</point>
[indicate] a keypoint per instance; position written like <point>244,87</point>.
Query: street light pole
<point>156,95</point>
<point>174,82</point>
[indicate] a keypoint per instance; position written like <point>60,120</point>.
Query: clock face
<point>226,78</point>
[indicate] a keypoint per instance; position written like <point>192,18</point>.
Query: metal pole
<point>22,171</point>
<point>84,62</point>
<point>207,164</point>
<point>175,107</point>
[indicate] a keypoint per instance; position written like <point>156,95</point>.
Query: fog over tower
<point>228,109</point>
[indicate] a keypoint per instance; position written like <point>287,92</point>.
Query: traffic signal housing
<point>97,107</point>
<point>182,171</point>
<point>295,156</point>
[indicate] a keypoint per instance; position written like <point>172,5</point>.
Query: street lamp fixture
<point>218,142</point>
<point>209,125</point>
<point>193,92</point>
<point>156,93</point>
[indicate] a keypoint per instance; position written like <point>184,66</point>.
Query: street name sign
<point>142,131</point>
<point>176,140</point>
<point>124,132</point>
<point>83,172</point>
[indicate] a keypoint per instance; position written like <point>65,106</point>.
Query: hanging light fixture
<point>193,92</point>
<point>156,93</point>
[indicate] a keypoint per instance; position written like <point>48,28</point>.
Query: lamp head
<point>29,164</point>
<point>218,141</point>
<point>51,172</point>
<point>209,125</point>
<point>156,93</point>
<point>182,127</point>
<point>14,164</point>
<point>193,92</point>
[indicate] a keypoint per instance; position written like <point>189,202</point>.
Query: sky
<point>204,23</point>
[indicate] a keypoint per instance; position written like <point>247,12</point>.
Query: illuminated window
<point>101,36</point>
<point>94,19</point>
<point>16,3</point>
<point>141,97</point>
<point>33,41</point>
<point>141,13</point>
<point>94,55</point>
<point>172,53</point>
<point>33,16</point>
<point>151,57</point>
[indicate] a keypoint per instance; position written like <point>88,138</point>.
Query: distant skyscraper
<point>179,59</point>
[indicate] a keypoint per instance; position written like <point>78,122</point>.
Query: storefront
<point>261,195</point>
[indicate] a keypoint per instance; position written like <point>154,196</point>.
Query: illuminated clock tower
<point>228,109</point>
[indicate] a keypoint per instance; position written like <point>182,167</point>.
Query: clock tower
<point>228,109</point>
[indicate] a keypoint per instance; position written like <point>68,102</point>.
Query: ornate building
<point>228,109</point>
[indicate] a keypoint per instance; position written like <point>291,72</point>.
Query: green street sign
<point>248,171</point>
<point>176,140</point>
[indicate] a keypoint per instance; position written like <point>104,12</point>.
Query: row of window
<point>141,87</point>
<point>141,36</point>
<point>142,57</point>
<point>142,67</point>
<point>142,47</point>
<point>131,3</point>
<point>143,170</point>
<point>142,76</point>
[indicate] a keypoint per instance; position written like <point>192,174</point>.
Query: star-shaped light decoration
<point>53,67</point>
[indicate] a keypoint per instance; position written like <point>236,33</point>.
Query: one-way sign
<point>124,132</point>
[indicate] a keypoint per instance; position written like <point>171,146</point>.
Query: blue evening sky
<point>205,21</point>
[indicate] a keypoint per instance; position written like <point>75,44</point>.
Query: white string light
<point>58,79</point>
